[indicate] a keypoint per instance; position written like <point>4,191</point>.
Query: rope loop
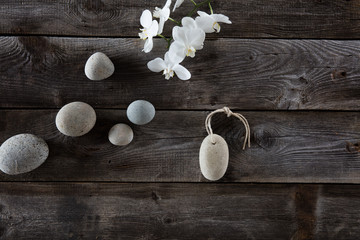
<point>229,113</point>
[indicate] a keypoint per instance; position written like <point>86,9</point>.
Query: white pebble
<point>214,158</point>
<point>140,112</point>
<point>99,66</point>
<point>121,134</point>
<point>22,153</point>
<point>75,119</point>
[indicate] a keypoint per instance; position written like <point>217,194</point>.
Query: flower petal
<point>179,34</point>
<point>188,22</point>
<point>172,58</point>
<point>166,13</point>
<point>145,19</point>
<point>221,18</point>
<point>148,45</point>
<point>205,23</point>
<point>161,25</point>
<point>197,38</point>
<point>177,4</point>
<point>156,65</point>
<point>157,12</point>
<point>202,14</point>
<point>177,52</point>
<point>167,4</point>
<point>153,30</point>
<point>182,72</point>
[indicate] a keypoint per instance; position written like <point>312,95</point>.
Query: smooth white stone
<point>121,134</point>
<point>140,112</point>
<point>75,119</point>
<point>214,158</point>
<point>99,66</point>
<point>22,153</point>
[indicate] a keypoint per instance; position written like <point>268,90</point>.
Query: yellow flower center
<point>216,26</point>
<point>191,52</point>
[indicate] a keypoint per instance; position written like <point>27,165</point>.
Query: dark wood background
<point>291,67</point>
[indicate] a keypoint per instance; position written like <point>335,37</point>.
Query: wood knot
<point>93,6</point>
<point>168,220</point>
<point>353,147</point>
<point>213,101</point>
<point>303,80</point>
<point>87,11</point>
<point>338,74</point>
<point>265,137</point>
<point>154,196</point>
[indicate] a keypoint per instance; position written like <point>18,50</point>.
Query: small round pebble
<point>140,112</point>
<point>22,153</point>
<point>75,119</point>
<point>121,134</point>
<point>99,67</point>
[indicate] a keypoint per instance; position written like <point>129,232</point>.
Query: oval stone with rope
<point>214,151</point>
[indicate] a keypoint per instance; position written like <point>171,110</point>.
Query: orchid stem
<point>199,5</point>
<point>173,20</point>
<point>168,40</point>
<point>162,36</point>
<point>193,2</point>
<point>211,10</point>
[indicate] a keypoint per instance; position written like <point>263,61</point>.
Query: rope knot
<point>227,111</point>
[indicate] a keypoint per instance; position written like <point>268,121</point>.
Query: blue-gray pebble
<point>140,112</point>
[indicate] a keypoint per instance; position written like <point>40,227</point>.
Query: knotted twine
<point>229,113</point>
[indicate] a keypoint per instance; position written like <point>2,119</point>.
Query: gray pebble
<point>75,119</point>
<point>99,67</point>
<point>121,134</point>
<point>140,112</point>
<point>22,153</point>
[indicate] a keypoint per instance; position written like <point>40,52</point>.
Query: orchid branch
<point>211,10</point>
<point>168,40</point>
<point>193,2</point>
<point>188,36</point>
<point>173,20</point>
<point>197,6</point>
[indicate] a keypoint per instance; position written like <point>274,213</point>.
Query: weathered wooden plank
<point>243,74</point>
<point>338,212</point>
<point>146,211</point>
<point>311,147</point>
<point>269,19</point>
<point>178,211</point>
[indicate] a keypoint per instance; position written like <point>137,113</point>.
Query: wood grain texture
<point>147,211</point>
<point>43,72</point>
<point>251,19</point>
<point>287,147</point>
<point>178,211</point>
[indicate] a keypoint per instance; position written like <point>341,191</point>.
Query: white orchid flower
<point>187,41</point>
<point>177,4</point>
<point>210,23</point>
<point>149,30</point>
<point>169,66</point>
<point>163,14</point>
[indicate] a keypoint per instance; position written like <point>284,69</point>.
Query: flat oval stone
<point>22,153</point>
<point>140,112</point>
<point>214,158</point>
<point>75,119</point>
<point>99,67</point>
<point>121,134</point>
